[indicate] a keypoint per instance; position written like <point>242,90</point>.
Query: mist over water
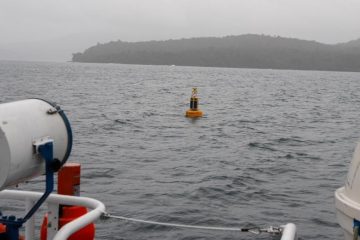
<point>272,147</point>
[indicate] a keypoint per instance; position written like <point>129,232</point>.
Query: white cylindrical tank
<point>347,199</point>
<point>22,125</point>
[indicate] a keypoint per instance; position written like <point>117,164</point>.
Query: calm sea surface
<point>272,147</point>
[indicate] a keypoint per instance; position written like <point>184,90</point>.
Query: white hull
<point>347,199</point>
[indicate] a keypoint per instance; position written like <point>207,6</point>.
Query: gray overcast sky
<point>77,24</point>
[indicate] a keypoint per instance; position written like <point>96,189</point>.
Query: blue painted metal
<point>46,151</point>
<point>70,136</point>
<point>12,223</point>
<point>12,227</point>
<point>356,223</point>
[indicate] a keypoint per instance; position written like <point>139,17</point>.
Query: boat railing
<point>97,209</point>
<point>53,202</point>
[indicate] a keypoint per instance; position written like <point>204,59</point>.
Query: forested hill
<point>244,51</point>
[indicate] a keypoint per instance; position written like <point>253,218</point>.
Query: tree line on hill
<point>244,51</point>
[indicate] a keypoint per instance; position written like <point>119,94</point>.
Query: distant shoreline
<point>275,69</point>
<point>244,51</point>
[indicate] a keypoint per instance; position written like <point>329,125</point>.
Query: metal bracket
<point>39,142</point>
<point>53,110</point>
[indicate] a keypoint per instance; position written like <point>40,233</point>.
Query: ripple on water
<point>270,149</point>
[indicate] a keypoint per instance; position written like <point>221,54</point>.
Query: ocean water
<point>272,147</point>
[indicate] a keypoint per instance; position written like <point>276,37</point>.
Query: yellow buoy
<point>194,112</point>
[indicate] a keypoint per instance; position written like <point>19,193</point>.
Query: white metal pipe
<point>77,224</point>
<point>53,220</point>
<point>289,232</point>
<point>30,224</point>
<point>67,230</point>
<point>53,198</point>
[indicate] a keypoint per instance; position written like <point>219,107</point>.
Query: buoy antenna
<point>194,92</point>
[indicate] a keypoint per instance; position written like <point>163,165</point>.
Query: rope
<point>274,230</point>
